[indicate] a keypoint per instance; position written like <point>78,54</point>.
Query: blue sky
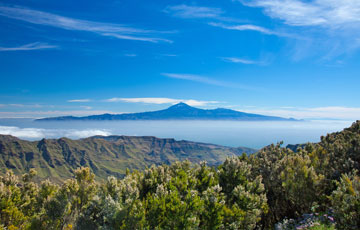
<point>288,58</point>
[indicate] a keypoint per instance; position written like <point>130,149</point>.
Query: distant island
<point>180,111</point>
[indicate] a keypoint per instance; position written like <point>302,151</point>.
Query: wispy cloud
<point>215,14</point>
<point>86,107</point>
<point>199,12</point>
<point>196,78</point>
<point>130,55</point>
<point>79,100</point>
<point>104,29</point>
<point>31,46</point>
<point>169,55</point>
<point>249,27</point>
<point>239,60</point>
<point>161,100</point>
<point>206,80</point>
<point>50,113</point>
<point>329,13</point>
<point>22,105</point>
<point>242,27</point>
<point>135,38</point>
<point>331,27</point>
<point>185,11</point>
<point>16,105</point>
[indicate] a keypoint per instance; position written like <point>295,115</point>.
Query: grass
<point>323,227</point>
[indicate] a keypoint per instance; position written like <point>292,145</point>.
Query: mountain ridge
<point>180,111</point>
<point>105,155</point>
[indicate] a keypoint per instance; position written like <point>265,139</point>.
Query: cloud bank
<point>37,133</point>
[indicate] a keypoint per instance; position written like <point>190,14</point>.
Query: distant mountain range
<point>58,158</point>
<point>179,111</point>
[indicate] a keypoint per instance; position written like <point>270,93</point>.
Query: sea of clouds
<point>38,133</point>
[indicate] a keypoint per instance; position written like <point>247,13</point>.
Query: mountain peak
<point>180,111</point>
<point>180,105</point>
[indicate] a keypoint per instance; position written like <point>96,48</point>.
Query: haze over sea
<point>228,133</point>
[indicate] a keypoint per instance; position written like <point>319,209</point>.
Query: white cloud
<point>87,133</point>
<point>239,60</point>
<point>22,133</point>
<point>206,80</point>
<point>331,112</point>
<point>104,29</point>
<point>199,12</point>
<point>243,27</point>
<point>170,55</point>
<point>329,13</point>
<point>31,46</point>
<point>197,78</point>
<point>79,100</point>
<point>185,11</point>
<point>249,27</point>
<point>264,60</point>
<point>16,105</point>
<point>22,105</point>
<point>161,100</point>
<point>37,133</point>
<point>135,38</point>
<point>216,14</point>
<point>130,55</point>
<point>326,28</point>
<point>86,107</point>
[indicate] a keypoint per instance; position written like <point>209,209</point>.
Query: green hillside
<point>58,158</point>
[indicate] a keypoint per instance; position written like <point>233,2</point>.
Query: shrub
<point>345,201</point>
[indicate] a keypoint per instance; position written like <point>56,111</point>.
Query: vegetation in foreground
<point>316,187</point>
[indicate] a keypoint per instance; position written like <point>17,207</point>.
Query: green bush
<point>180,196</point>
<point>345,201</point>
